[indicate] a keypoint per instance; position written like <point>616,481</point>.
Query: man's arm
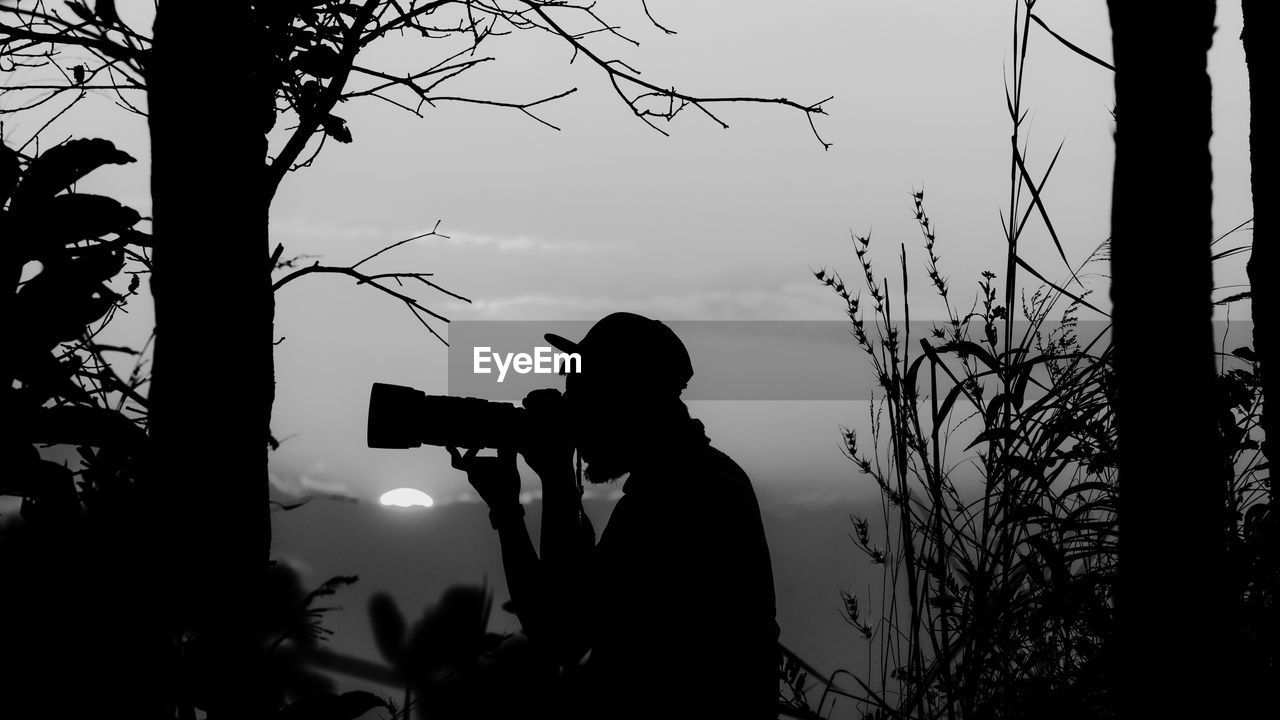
<point>567,535</point>
<point>566,544</point>
<point>542,592</point>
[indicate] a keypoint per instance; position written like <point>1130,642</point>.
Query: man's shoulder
<point>716,462</point>
<point>702,473</point>
<point>710,473</point>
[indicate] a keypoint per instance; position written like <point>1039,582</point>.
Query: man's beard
<point>602,468</point>
<point>598,475</point>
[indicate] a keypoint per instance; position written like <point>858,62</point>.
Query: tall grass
<point>998,560</point>
<point>997,590</point>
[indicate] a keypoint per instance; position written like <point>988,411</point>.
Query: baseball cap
<point>625,344</point>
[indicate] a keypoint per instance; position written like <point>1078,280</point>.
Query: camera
<point>402,417</point>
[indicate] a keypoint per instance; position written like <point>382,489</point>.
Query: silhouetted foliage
<point>998,588</point>
<point>65,256</point>
<point>999,595</point>
<point>76,561</point>
<point>452,666</point>
<point>74,444</point>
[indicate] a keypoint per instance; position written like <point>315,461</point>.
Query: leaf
<point>106,9</point>
<point>320,61</point>
<point>1026,266</point>
<point>947,402</point>
<point>993,407</point>
<point>909,380</point>
<point>42,376</point>
<point>94,264</point>
<point>136,237</point>
<point>51,491</point>
<point>965,348</point>
<point>956,389</point>
<point>61,166</point>
<point>1025,467</point>
<point>1084,487</point>
<point>19,461</point>
<point>358,702</point>
<point>56,305</point>
<point>65,316</point>
<point>8,172</point>
<point>388,627</point>
<point>81,10</point>
<point>1070,46</point>
<point>328,706</point>
<point>992,435</point>
<point>1039,205</point>
<point>82,425</point>
<point>90,216</point>
<point>1224,254</point>
<point>1245,353</point>
<point>452,629</point>
<point>336,128</point>
<point>1246,295</point>
<point>1020,383</point>
<point>70,218</point>
<point>1052,555</point>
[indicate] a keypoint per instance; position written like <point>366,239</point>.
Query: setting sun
<point>406,497</point>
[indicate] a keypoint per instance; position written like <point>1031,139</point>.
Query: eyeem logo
<point>543,361</point>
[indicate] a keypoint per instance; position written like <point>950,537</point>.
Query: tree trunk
<point>1260,16</point>
<point>212,384</point>
<point>1171,599</point>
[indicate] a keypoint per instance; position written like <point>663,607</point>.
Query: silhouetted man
<point>676,602</point>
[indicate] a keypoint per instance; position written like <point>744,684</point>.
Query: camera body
<point>401,417</point>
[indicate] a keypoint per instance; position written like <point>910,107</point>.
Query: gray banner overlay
<point>732,360</point>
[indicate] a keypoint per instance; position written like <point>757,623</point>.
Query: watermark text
<point>543,361</point>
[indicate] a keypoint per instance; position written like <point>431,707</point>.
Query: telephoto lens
<point>401,417</point>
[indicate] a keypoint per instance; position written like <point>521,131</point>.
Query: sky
<point>707,224</point>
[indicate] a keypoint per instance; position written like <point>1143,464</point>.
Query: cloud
<point>530,496</point>
<point>515,244</point>
<point>303,568</point>
<point>305,484</point>
<point>792,301</point>
<point>513,307</point>
<point>612,494</point>
<point>307,229</point>
<point>296,227</point>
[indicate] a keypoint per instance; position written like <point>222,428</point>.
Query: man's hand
<point>496,479</point>
<point>550,449</point>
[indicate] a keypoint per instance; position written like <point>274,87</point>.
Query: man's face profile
<point>597,415</point>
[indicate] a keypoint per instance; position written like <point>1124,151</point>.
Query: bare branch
<point>372,279</point>
<point>49,122</point>
<point>618,76</point>
<point>405,20</point>
<point>312,119</point>
<point>68,37</point>
<point>394,245</point>
<point>660,26</point>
